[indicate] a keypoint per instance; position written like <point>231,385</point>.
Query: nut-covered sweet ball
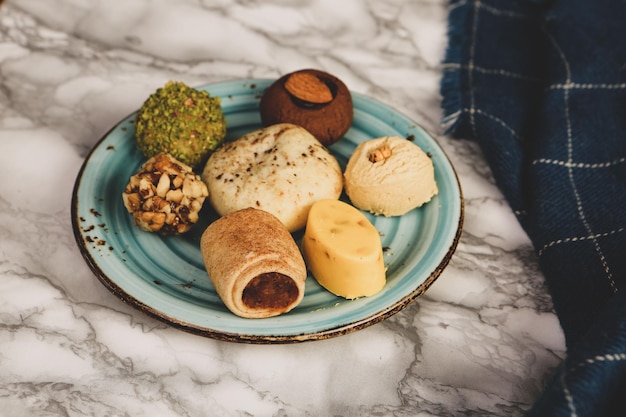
<point>165,196</point>
<point>181,121</point>
<point>315,100</point>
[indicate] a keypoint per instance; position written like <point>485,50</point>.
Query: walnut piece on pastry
<point>281,169</point>
<point>389,176</point>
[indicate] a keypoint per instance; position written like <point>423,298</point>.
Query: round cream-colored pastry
<point>389,176</point>
<point>281,169</point>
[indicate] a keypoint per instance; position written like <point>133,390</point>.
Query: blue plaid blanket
<point>541,86</point>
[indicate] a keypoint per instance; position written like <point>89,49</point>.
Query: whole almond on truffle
<point>309,88</point>
<point>328,122</point>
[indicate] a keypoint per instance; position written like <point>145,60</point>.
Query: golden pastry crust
<point>281,169</point>
<point>254,263</point>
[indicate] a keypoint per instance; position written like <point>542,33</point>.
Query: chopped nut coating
<point>165,196</point>
<point>181,121</point>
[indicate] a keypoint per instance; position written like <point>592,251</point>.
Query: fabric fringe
<point>452,87</point>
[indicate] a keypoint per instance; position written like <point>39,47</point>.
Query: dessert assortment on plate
<point>272,182</point>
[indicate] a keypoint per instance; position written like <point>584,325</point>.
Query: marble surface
<point>483,340</point>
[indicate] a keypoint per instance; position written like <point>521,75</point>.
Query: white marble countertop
<point>481,341</point>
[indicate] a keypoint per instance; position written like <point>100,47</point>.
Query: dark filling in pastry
<point>271,290</point>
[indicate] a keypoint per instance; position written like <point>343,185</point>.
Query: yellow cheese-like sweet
<point>343,251</point>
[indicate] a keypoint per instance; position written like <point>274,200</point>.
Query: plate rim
<point>333,331</point>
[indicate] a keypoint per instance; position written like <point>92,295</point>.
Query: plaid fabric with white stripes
<point>541,85</point>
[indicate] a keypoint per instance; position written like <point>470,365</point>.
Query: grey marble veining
<point>481,341</point>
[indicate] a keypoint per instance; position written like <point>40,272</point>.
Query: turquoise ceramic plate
<point>165,276</point>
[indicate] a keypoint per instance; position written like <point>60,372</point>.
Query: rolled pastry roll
<point>254,263</point>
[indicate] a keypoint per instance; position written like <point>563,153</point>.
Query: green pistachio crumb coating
<point>180,120</point>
